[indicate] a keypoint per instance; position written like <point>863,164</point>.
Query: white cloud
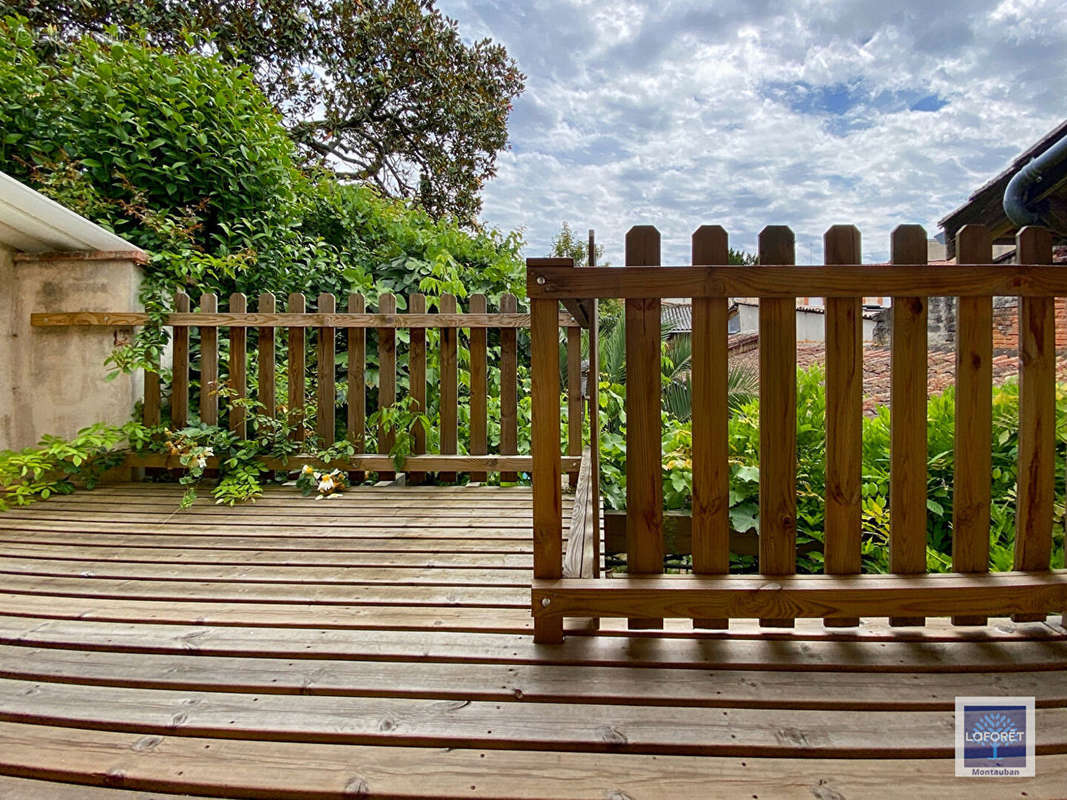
<point>748,113</point>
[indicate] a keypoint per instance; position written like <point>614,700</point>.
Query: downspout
<point>1016,196</point>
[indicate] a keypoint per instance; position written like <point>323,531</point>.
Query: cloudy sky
<point>753,112</point>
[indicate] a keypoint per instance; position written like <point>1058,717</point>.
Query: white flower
<point>307,470</point>
<point>326,485</point>
<point>209,451</point>
<point>201,462</point>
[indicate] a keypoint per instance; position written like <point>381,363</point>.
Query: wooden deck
<point>379,644</point>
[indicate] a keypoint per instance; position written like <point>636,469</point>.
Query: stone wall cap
<point>136,256</point>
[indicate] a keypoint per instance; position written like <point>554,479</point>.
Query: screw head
<point>540,280</point>
<point>546,602</point>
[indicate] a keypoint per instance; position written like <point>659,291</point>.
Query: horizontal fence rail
<point>789,282</point>
<point>777,596</point>
<point>323,333</point>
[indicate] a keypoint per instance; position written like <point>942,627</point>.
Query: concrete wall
<point>8,341</point>
<point>811,325</point>
<point>53,379</point>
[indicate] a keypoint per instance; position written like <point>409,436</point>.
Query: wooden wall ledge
<point>116,319</point>
<point>373,463</point>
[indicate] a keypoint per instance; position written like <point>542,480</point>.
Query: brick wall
<point>1006,323</point>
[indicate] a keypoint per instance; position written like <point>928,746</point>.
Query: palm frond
<point>678,400</point>
<point>680,355</point>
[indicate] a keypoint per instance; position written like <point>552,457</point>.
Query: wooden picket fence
<point>299,324</point>
<point>776,596</point>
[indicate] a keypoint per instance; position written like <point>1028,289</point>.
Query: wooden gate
<point>776,596</point>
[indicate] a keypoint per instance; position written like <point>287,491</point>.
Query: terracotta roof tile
<point>941,369</point>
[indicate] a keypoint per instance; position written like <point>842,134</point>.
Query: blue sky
<point>753,112</point>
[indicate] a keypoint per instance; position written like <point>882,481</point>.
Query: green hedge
<point>811,473</point>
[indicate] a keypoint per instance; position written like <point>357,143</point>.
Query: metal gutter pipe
<point>1016,203</point>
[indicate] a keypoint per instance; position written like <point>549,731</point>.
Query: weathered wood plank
<point>711,652</point>
<point>209,364</point>
<point>509,381</point>
<point>647,686</point>
<point>974,420</point>
<point>491,725</point>
<point>89,551</point>
<point>325,355</point>
<point>204,611</point>
<point>293,771</point>
<point>844,414</point>
<point>269,574</point>
<point>644,484</point>
<point>29,789</point>
<point>479,403</point>
<point>297,368</point>
<point>710,542</point>
<point>513,540</point>
<point>544,436</point>
<point>1037,416</point>
<point>239,367</point>
<point>266,374</point>
<point>778,419</point>
<point>311,595</point>
<point>449,393</point>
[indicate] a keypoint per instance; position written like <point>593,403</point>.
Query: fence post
<point>907,426</point>
<point>974,419</point>
<point>479,419</point>
<point>297,366</point>
<point>386,379</point>
<point>238,366</point>
<point>509,407</point>
<point>1037,416</point>
<point>711,467</point>
<point>179,399</point>
<point>265,357</point>
<point>545,444</point>
<point>644,456</point>
<point>844,415</point>
<point>778,419</point>
<point>593,391</point>
<point>150,411</point>
<point>417,378</point>
<point>209,363</point>
<point>449,386</point>
<point>326,398</point>
<point>357,381</point>
<point>574,397</point>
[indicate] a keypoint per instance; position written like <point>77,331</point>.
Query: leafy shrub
<point>811,473</point>
<point>57,466</point>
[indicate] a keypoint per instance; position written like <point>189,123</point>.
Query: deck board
<point>380,645</point>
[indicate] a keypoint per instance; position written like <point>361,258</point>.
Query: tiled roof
<point>941,369</point>
<point>810,309</point>
<point>679,316</point>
